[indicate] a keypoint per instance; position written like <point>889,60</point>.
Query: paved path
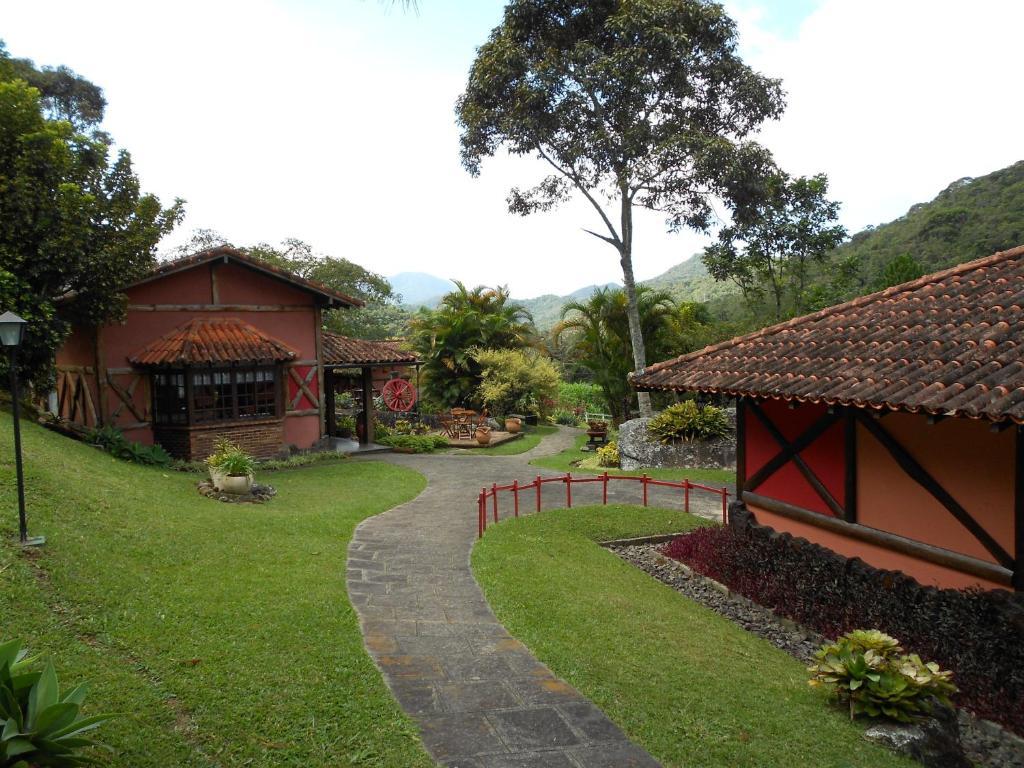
<point>479,696</point>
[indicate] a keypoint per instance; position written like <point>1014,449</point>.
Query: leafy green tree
<point>630,103</point>
<point>447,337</point>
<point>597,333</point>
<point>73,223</point>
<point>519,381</point>
<point>901,269</point>
<point>774,245</point>
<point>63,94</point>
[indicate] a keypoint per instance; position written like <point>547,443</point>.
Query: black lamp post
<point>12,333</point>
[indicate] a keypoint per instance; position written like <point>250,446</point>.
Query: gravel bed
<point>984,743</point>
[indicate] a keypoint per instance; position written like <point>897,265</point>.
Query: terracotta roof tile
<point>342,350</point>
<point>214,341</point>
<point>947,343</point>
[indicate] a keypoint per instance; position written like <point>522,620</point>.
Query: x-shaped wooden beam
<point>303,384</point>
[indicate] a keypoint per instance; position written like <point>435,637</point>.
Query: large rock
<point>934,742</point>
<point>638,450</point>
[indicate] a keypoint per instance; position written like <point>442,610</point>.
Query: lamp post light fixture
<point>12,333</point>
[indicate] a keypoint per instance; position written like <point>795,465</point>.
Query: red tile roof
<point>215,341</point>
<point>227,253</point>
<point>342,350</point>
<point>949,343</point>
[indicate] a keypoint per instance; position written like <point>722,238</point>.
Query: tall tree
<point>630,103</point>
<point>596,331</point>
<point>73,222</point>
<point>64,95</point>
<point>776,242</point>
<point>465,321</point>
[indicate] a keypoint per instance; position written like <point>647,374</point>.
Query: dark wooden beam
<point>818,486</point>
<point>944,557</point>
<point>741,441</point>
<point>778,460</point>
<point>368,434</point>
<point>219,307</point>
<point>850,500</point>
<point>1018,511</point>
<point>922,477</point>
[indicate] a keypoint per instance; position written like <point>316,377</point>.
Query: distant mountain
<point>547,309</point>
<point>689,281</point>
<point>419,289</point>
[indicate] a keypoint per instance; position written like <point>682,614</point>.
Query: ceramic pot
<point>238,484</point>
<point>483,436</point>
<point>513,425</point>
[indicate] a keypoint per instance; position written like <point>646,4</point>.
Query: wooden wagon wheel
<point>399,395</point>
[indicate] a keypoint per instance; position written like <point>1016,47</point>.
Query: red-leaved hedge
<point>978,634</point>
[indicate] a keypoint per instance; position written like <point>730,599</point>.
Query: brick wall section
<point>263,439</point>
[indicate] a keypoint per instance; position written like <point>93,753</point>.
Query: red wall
<point>826,456</point>
<point>973,464</point>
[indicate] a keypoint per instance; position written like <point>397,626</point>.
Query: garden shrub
<point>608,455</point>
<point>565,418</point>
<point>516,381</point>
<point>415,443</point>
<point>113,441</point>
<point>869,672</point>
<point>689,421</point>
<point>580,396</point>
<point>977,634</point>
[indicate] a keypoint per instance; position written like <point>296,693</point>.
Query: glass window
<point>257,393</point>
<point>234,394</point>
<point>169,403</point>
<point>212,396</point>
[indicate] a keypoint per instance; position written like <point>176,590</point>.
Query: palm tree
<point>598,334</point>
<point>466,320</point>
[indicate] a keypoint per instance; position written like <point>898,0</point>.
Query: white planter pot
<point>239,484</point>
<point>217,478</point>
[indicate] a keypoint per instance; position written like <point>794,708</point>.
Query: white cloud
<point>334,122</point>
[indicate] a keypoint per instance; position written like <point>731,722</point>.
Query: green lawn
<point>691,687</point>
<point>531,437</point>
<point>222,632</point>
<point>563,462</point>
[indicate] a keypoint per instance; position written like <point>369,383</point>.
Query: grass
<point>690,686</point>
<point>222,632</point>
<point>563,462</point>
<point>530,439</point>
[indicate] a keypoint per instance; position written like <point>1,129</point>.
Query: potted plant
<point>513,424</point>
<point>238,468</point>
<point>483,435</point>
<point>346,426</point>
<point>221,448</point>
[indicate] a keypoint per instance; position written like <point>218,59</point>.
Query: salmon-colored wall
<point>973,464</point>
<point>235,285</point>
<point>825,457</point>
<point>879,557</point>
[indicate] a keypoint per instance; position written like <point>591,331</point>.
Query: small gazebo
<point>364,368</point>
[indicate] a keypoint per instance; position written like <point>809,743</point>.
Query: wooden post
<point>1018,503</point>
<point>481,515</point>
<point>328,392</point>
<point>494,496</point>
<point>319,342</point>
<point>515,496</point>
<point>101,376</point>
<point>604,489</point>
<point>741,443</point>
<point>643,482</point>
<point>568,490</point>
<point>725,505</point>
<point>368,435</point>
<point>538,482</point>
<point>686,496</point>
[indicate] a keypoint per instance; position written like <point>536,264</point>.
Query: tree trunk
<point>636,335</point>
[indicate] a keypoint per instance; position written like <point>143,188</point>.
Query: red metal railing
<point>489,496</point>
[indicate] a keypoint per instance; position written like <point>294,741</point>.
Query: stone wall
<point>638,450</point>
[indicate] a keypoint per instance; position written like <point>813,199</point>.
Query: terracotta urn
<point>483,435</point>
<point>513,425</point>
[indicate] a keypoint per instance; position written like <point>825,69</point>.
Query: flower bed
<point>979,635</point>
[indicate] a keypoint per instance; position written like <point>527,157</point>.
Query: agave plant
<point>40,726</point>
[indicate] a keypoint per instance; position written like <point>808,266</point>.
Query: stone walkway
<point>479,696</point>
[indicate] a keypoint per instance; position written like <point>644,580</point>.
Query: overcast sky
<point>332,120</point>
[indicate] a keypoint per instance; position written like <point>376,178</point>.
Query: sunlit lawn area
<point>222,632</point>
<point>690,686</point>
<point>563,462</point>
